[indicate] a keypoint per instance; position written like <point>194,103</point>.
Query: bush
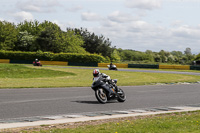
<point>48,56</point>
<point>74,57</point>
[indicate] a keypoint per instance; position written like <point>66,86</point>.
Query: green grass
<point>165,123</point>
<point>20,71</point>
<point>176,70</point>
<point>20,76</point>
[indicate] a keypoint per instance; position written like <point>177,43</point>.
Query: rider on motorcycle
<point>37,63</point>
<point>111,65</point>
<point>96,73</point>
<point>36,60</point>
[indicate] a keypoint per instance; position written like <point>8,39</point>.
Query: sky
<point>170,25</point>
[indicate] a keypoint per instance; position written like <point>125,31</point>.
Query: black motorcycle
<point>105,91</point>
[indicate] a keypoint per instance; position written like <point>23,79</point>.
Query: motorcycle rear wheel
<point>121,96</point>
<point>101,95</point>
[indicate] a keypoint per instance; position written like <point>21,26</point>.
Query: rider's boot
<point>118,90</point>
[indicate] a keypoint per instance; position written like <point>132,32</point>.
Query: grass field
<point>20,76</point>
<point>20,71</point>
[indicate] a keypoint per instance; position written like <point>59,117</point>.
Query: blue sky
<point>130,24</point>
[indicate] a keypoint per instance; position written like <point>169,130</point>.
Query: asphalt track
<point>17,103</point>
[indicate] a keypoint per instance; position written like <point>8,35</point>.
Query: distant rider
<point>111,65</point>
<point>37,62</point>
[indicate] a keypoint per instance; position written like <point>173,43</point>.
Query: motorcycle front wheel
<point>121,95</point>
<point>101,95</point>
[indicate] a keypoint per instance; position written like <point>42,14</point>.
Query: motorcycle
<point>37,63</point>
<point>113,67</point>
<point>102,91</point>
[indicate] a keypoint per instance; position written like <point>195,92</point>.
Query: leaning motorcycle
<point>102,91</point>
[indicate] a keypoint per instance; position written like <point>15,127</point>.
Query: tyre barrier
<point>4,61</point>
<point>180,67</point>
<point>143,66</point>
<point>62,63</point>
<point>194,67</point>
<point>89,64</point>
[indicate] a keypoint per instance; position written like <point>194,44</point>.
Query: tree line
<point>35,36</point>
<point>48,37</point>
<point>174,57</point>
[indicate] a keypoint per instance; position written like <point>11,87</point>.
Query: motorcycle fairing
<point>98,83</point>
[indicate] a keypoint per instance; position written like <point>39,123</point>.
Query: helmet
<point>96,72</point>
<point>36,59</point>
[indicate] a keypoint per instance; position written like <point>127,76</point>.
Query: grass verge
<point>164,123</point>
<point>20,76</point>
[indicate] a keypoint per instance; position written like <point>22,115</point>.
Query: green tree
<point>94,43</point>
<point>42,36</point>
<point>164,56</point>
<point>171,59</point>
<point>197,57</point>
<point>115,56</point>
<point>53,39</point>
<point>178,55</point>
<point>157,58</point>
<point>49,39</point>
<point>188,51</point>
<point>25,42</point>
<point>188,56</point>
<point>127,55</point>
<point>72,43</point>
<point>32,27</point>
<point>8,35</point>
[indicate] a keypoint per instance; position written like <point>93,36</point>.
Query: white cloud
<point>177,23</point>
<point>143,4</point>
<point>120,17</point>
<point>38,5</point>
<point>21,16</point>
<point>60,24</point>
<point>141,35</point>
<point>139,26</point>
<point>75,8</point>
<point>31,8</point>
<point>109,24</point>
<point>186,32</point>
<point>90,16</point>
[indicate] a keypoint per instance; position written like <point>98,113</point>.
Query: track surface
<point>16,103</point>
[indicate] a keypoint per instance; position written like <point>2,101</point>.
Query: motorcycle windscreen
<point>95,79</point>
